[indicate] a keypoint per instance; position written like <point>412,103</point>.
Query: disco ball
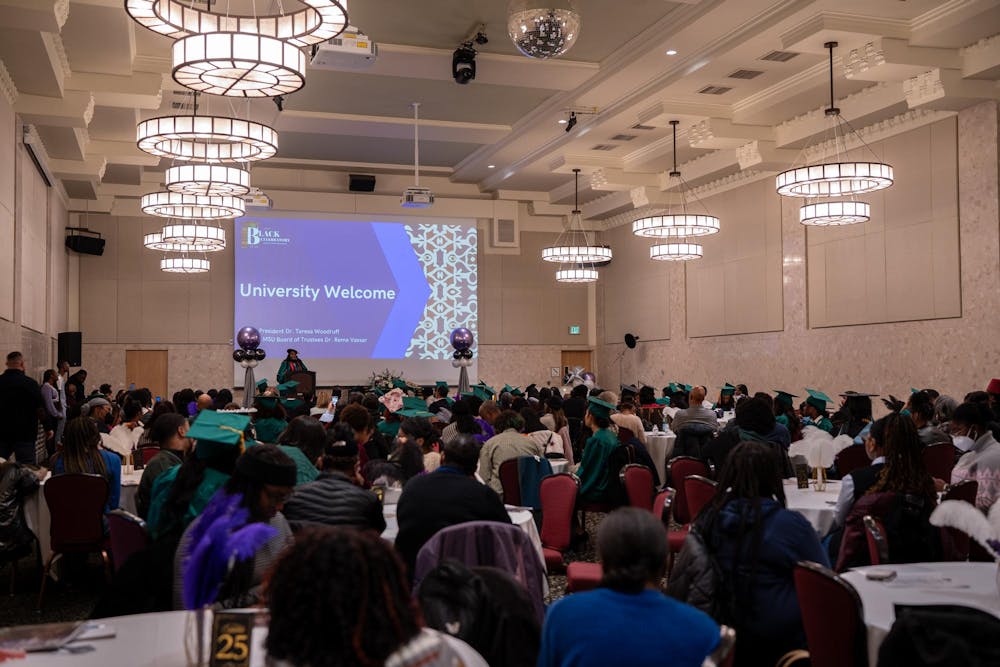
<point>543,32</point>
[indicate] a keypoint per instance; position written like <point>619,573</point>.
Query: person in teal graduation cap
<point>815,413</point>
<point>726,400</point>
<point>261,387</point>
<point>593,468</point>
<point>269,421</point>
<point>441,400</point>
<point>219,440</point>
<point>784,414</point>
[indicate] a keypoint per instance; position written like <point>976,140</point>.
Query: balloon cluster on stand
<point>248,356</point>
<point>462,340</point>
<point>578,376</point>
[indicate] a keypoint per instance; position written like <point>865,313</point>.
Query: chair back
<point>511,482</point>
<point>698,491</point>
<point>851,458</point>
<point>128,535</point>
<point>939,459</point>
<point>76,504</point>
<point>660,504</point>
<point>488,543</point>
<point>832,617</point>
<point>625,435</point>
<point>638,482</point>
<point>558,493</point>
<point>878,544</point>
<point>692,439</point>
<point>678,468</point>
<point>955,543</point>
<point>146,454</point>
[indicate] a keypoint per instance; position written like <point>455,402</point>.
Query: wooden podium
<point>306,380</point>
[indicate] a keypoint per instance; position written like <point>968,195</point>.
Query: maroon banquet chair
<point>851,458</point>
<point>76,504</point>
<point>878,544</point>
<point>955,544</point>
<point>659,502</point>
<point>679,468</point>
<point>128,536</point>
<point>832,617</point>
<point>511,482</point>
<point>939,459</point>
<point>625,435</point>
<point>558,496</point>
<point>581,576</point>
<point>638,482</point>
<point>699,491</point>
<point>146,454</point>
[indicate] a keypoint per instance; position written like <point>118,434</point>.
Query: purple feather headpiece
<point>219,538</point>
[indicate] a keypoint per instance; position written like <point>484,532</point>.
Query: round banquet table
<point>558,465</point>
<point>36,510</point>
<point>965,584</point>
<point>816,506</point>
<point>660,445</point>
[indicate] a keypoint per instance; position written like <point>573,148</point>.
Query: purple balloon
<point>248,338</point>
<point>462,339</point>
<point>589,376</point>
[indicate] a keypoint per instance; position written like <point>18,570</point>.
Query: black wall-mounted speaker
<point>361,183</point>
<point>84,241</point>
<point>70,344</point>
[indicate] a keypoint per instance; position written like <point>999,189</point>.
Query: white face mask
<point>963,442</point>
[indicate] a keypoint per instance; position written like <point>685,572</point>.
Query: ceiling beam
<point>392,127</point>
<point>122,152</point>
<point>35,15</point>
<point>881,100</point>
<point>74,109</point>
<point>890,59</point>
<point>614,180</point>
<point>142,90</point>
<point>982,59</point>
<point>716,133</point>
<point>91,168</point>
<point>945,89</point>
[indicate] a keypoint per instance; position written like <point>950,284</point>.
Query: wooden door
<point>573,358</point>
<point>147,368</point>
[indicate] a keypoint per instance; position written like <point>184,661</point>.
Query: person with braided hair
<point>340,597</point>
<point>599,627</point>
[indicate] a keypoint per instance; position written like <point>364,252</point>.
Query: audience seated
<point>857,483</point>
<point>168,431</point>
<point>693,425</point>
<point>628,620</point>
<point>752,543</point>
<point>970,431</point>
<point>626,418</point>
<point>921,408</point>
<point>593,471</point>
<point>372,443</point>
<point>17,482</point>
<point>303,440</point>
<point>446,497</point>
<point>755,422</point>
<point>463,422</point>
<point>340,598</point>
<point>263,478</point>
<point>418,431</point>
<point>335,498</point>
<point>82,453</point>
<point>508,443</point>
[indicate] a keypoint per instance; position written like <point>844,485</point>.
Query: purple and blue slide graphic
<point>330,289</point>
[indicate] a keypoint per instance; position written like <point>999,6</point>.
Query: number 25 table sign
<point>232,632</point>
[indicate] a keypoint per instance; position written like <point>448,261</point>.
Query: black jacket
<point>333,500</point>
<point>440,499</point>
<point>16,483</point>
<point>20,401</point>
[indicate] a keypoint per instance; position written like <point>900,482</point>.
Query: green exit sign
<point>574,330</point>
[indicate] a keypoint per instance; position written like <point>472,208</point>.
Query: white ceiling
<point>84,79</point>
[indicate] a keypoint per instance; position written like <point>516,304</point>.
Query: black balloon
<point>457,354</point>
<point>259,354</point>
<point>239,355</point>
<point>467,354</point>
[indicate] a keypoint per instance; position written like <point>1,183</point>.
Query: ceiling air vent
<point>603,147</point>
<point>714,90</point>
<point>745,74</point>
<point>779,56</point>
<point>640,126</point>
<point>623,137</point>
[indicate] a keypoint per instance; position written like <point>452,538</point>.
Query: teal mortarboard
<point>784,396</point>
<point>599,408</point>
<point>289,387</point>
<point>817,399</point>
<point>914,391</point>
<point>663,401</point>
<point>399,383</point>
<point>261,386</point>
<point>292,403</point>
<point>267,401</point>
<point>728,389</point>
<point>483,393</point>
<point>441,384</point>
<point>516,391</point>
<point>688,388</point>
<point>673,388</point>
<point>628,389</point>
<point>216,432</point>
<point>414,406</point>
<point>507,389</point>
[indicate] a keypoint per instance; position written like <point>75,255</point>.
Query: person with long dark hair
<point>169,433</point>
<point>784,414</point>
<point>756,542</point>
<point>340,598</point>
<point>598,627</point>
<point>82,453</point>
<point>854,415</point>
<point>263,479</point>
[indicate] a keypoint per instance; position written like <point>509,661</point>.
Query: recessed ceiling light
<point>491,166</point>
<point>562,121</point>
<point>671,52</point>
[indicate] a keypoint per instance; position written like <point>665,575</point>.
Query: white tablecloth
<point>36,510</point>
<point>558,465</point>
<point>966,584</point>
<point>816,506</point>
<point>660,445</point>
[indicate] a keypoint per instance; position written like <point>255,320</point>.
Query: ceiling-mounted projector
<point>416,197</point>
<point>351,50</point>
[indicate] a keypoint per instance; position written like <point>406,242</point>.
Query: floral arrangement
<point>387,380</point>
<point>983,528</point>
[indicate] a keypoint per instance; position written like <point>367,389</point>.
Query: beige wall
<point>954,355</point>
<point>34,264</point>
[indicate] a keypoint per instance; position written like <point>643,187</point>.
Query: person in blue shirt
<point>628,620</point>
<point>82,453</point>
